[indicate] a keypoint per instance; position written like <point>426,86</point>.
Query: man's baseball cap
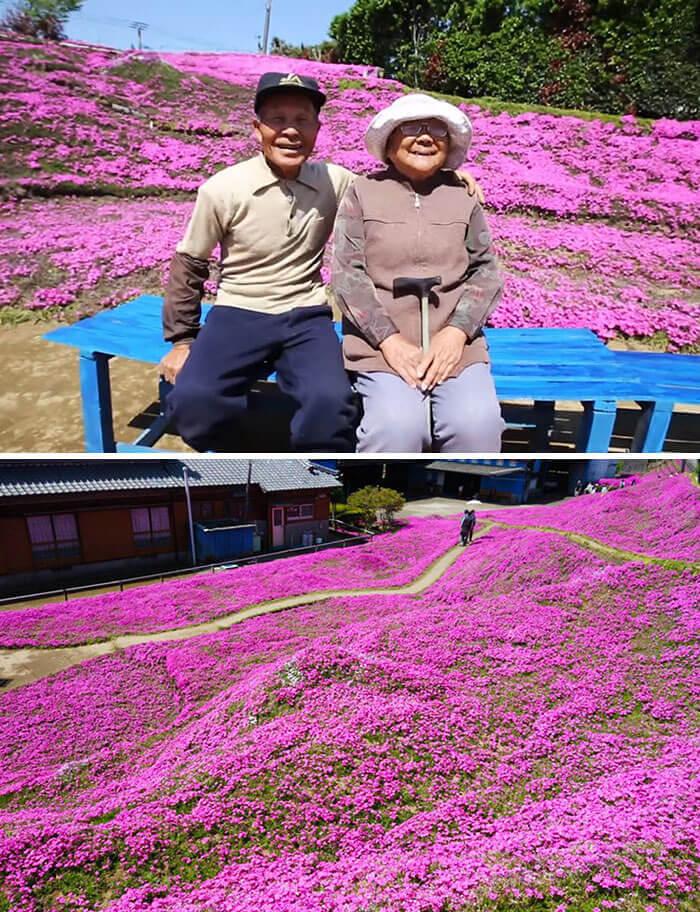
<point>269,83</point>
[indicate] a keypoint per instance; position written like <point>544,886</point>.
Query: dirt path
<point>22,666</point>
<point>606,550</point>
<point>40,408</point>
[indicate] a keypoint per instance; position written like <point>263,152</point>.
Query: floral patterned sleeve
<point>353,289</point>
<point>484,278</point>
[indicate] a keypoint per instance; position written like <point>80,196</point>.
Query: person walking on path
<point>466,530</point>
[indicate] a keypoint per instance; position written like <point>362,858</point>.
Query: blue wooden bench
<point>539,365</point>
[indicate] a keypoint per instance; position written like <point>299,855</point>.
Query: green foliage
<point>40,18</point>
<point>622,56</point>
<point>160,74</point>
<point>376,506</point>
<point>104,818</point>
<point>392,34</point>
<point>325,51</point>
<point>344,84</point>
<point>655,59</point>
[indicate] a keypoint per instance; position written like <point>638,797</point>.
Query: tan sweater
<point>385,230</point>
<point>271,234</point>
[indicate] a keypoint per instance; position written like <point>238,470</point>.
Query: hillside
<point>596,218</point>
<point>659,515</point>
<point>520,736</point>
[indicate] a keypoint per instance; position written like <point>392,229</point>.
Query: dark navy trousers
<point>236,347</point>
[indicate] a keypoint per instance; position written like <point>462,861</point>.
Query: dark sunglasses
<point>415,128</point>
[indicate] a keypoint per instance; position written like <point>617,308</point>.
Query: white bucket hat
<point>420,107</point>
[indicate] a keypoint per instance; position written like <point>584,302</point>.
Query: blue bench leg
<point>96,398</point>
<point>152,435</point>
<point>544,422</point>
<point>164,389</point>
<point>652,427</point>
<point>597,426</point>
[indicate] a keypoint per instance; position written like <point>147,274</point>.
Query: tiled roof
<point>270,474</point>
<point>72,476</point>
<point>475,467</point>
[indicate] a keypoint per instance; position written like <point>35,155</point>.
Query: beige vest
<point>413,234</point>
<point>272,233</point>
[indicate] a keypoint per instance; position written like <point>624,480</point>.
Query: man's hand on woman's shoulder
<point>472,185</point>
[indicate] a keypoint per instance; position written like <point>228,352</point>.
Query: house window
<point>151,526</point>
<point>54,537</point>
<point>298,512</point>
<point>202,509</point>
<point>233,509</point>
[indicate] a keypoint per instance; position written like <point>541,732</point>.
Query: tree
<point>41,18</point>
<point>391,34</point>
<point>325,51</point>
<point>639,56</point>
<point>377,507</point>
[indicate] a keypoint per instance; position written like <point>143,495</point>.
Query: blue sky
<point>202,25</point>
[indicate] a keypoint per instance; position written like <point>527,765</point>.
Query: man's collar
<point>266,177</point>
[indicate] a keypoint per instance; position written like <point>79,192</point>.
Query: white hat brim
<point>417,107</point>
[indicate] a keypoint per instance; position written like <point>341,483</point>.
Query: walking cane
<point>421,288</point>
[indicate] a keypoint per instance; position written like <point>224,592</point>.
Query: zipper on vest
<point>417,202</point>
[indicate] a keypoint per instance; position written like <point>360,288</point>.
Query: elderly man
<point>271,215</point>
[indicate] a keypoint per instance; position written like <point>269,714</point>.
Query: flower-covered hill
<point>388,560</point>
<point>505,741</point>
<point>596,219</point>
<point>658,515</point>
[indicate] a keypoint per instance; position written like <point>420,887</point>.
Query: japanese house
<point>67,521</point>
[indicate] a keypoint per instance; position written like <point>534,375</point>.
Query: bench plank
<point>543,365</point>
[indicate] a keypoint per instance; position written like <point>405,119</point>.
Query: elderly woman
<point>416,219</point>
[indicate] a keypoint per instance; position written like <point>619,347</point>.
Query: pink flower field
<point>388,560</point>
<point>521,736</point>
<point>597,220</point>
<point>658,516</point>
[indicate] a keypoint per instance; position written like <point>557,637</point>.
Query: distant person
<point>414,219</point>
<point>578,489</point>
<point>467,526</point>
<point>271,216</point>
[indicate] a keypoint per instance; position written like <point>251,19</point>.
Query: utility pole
<point>266,30</point>
<point>193,547</point>
<point>247,491</point>
<point>140,28</point>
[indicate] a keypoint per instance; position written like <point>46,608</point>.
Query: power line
<point>115,22</point>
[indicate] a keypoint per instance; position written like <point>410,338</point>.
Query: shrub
<point>376,506</point>
<point>40,18</point>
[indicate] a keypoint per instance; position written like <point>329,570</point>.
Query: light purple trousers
<point>464,411</point>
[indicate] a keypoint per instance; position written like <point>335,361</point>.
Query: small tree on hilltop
<point>377,507</point>
<point>41,18</point>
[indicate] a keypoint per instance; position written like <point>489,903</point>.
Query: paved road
<point>450,506</point>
